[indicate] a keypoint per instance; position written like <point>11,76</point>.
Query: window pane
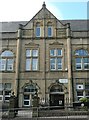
<point>37,31</point>
<point>52,63</point>
<point>78,64</point>
<point>10,64</point>
<point>26,97</point>
<point>2,64</point>
<point>7,53</point>
<point>26,90</point>
<point>86,60</point>
<point>1,97</point>
<point>26,102</point>
<point>53,52</point>
<point>87,93</point>
<point>35,53</point>
<point>86,63</point>
<point>49,31</point>
<point>87,86</point>
<point>59,63</point>
<point>30,88</point>
<point>28,53</point>
<point>28,64</point>
<point>7,92</point>
<point>7,97</point>
<point>7,85</point>
<point>79,93</point>
<point>78,60</point>
<point>34,64</point>
<point>1,92</point>
<point>59,52</point>
<point>1,86</point>
<point>86,66</point>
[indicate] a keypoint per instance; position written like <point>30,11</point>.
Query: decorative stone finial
<point>44,5</point>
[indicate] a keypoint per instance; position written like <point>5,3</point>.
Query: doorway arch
<point>56,96</point>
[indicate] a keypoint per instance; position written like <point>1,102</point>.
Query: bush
<point>84,100</point>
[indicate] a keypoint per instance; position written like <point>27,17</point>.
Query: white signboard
<point>63,80</point>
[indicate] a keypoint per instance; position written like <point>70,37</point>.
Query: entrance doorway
<point>56,96</point>
<point>57,99</point>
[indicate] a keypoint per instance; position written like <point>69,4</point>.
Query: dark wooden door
<point>56,99</point>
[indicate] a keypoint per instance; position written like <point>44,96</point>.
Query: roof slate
<point>76,25</point>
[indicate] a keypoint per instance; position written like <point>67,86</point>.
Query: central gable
<point>44,13</point>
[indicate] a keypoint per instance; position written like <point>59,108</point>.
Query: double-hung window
<point>82,59</point>
<point>49,29</point>
<point>6,61</point>
<point>38,30</point>
<point>5,91</point>
<point>31,59</point>
<point>55,59</point>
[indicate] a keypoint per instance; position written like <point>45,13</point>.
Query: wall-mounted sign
<point>63,80</point>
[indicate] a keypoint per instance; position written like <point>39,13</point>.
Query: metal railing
<point>47,113</point>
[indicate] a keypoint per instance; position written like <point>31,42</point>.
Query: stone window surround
<point>56,56</point>
<point>32,57</point>
<point>81,54</point>
<point>7,56</point>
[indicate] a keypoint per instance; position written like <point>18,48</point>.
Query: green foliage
<point>84,100</point>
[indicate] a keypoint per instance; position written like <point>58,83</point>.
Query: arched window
<point>56,88</point>
<point>81,52</point>
<point>38,30</point>
<point>49,29</point>
<point>6,61</point>
<point>30,88</point>
<point>82,59</point>
<point>29,91</point>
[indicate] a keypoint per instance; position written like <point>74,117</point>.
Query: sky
<point>24,10</point>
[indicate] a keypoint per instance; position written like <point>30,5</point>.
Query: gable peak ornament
<point>44,5</point>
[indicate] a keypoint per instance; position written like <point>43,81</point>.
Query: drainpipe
<point>44,43</point>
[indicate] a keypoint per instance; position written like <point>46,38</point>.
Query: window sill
<point>32,71</point>
<point>57,70</point>
<point>7,71</point>
<point>82,70</point>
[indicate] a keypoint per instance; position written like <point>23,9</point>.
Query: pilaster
<point>69,59</point>
<point>18,54</point>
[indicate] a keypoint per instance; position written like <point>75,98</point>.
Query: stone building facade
<point>46,56</point>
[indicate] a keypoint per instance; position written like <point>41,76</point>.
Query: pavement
<point>83,117</point>
<point>17,118</point>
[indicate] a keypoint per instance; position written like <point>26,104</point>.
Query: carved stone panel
<point>61,32</point>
